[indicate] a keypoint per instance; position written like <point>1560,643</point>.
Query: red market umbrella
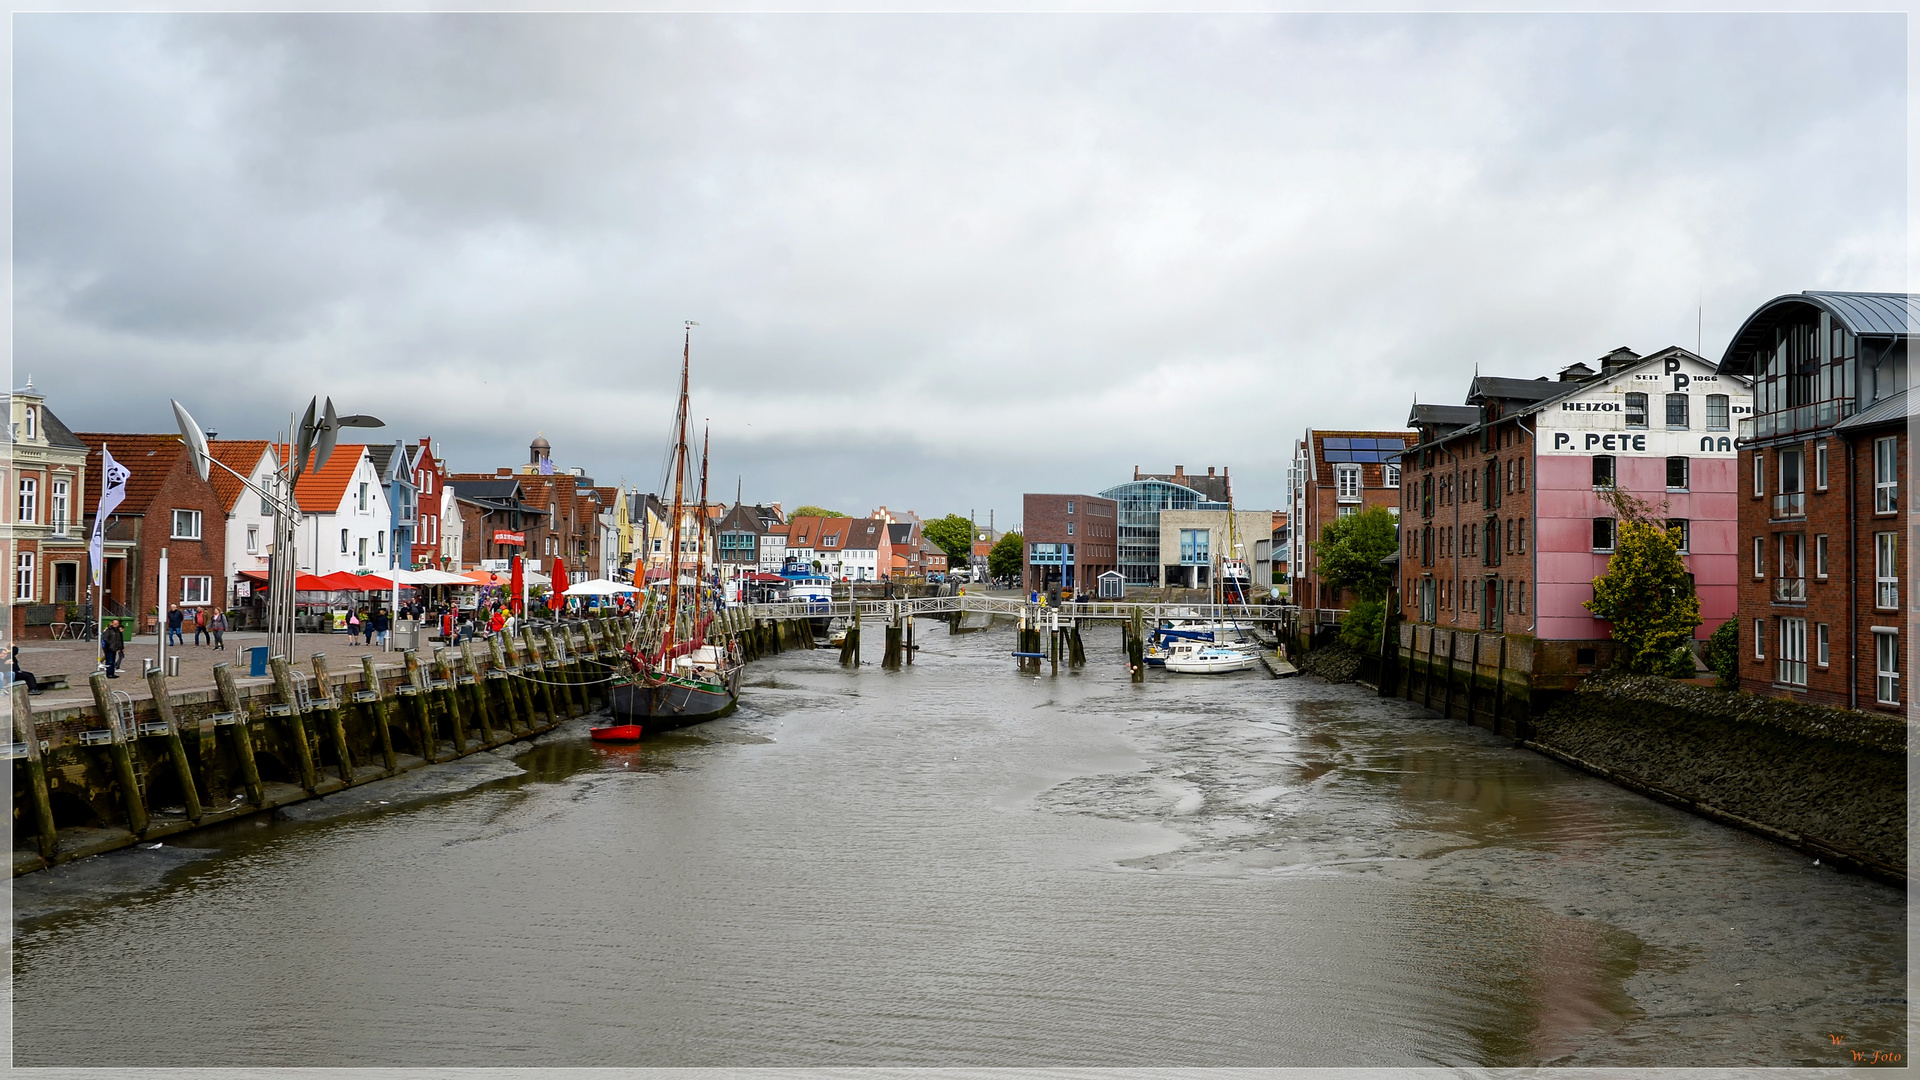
<point>513,600</point>
<point>311,583</point>
<point>558,597</point>
<point>342,580</point>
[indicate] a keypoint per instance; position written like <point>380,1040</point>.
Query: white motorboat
<point>1202,659</point>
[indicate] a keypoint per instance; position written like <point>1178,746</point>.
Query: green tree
<point>954,534</point>
<point>1351,549</point>
<point>1361,627</point>
<point>1008,557</point>
<point>1723,654</point>
<point>815,511</point>
<point>1648,596</point>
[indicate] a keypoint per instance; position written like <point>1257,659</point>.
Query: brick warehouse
<point>1071,540</point>
<point>1823,510</point>
<point>1509,516</point>
<point>1336,473</point>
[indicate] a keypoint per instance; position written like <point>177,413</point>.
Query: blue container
<point>257,660</point>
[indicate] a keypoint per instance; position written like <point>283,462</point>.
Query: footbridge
<point>1016,607</point>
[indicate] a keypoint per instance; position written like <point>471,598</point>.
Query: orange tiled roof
<point>147,458</point>
<point>240,455</point>
<point>320,492</point>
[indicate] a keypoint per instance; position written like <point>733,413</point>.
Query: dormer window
<point>33,425</point>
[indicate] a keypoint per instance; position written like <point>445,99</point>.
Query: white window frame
<point>196,590</point>
<point>1345,477</point>
<point>23,577</point>
<point>33,424</point>
<point>1759,474</point>
<point>344,533</point>
<point>1820,465</point>
<point>1886,570</point>
<point>194,522</point>
<point>1886,475</point>
<point>1820,555</point>
<point>1390,475</point>
<point>1886,666</point>
<point>59,505</point>
<point>363,508</point>
<point>1791,668</point>
<point>1759,639</point>
<point>1822,654</point>
<point>253,539</point>
<point>1759,558</point>
<point>27,510</point>
<point>363,552</point>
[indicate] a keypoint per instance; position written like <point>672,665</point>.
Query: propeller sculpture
<point>314,440</point>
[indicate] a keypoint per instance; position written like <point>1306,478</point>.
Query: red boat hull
<point>617,733</point>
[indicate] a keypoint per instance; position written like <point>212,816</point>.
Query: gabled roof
<point>863,533</point>
<point>480,487</point>
<point>1492,386</point>
<point>1443,416</point>
<point>1555,391</point>
<point>320,491</point>
<point>240,455</point>
<point>149,460</point>
<point>900,532</point>
<point>388,466</point>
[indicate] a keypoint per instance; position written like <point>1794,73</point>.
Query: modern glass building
<point>1139,522</point>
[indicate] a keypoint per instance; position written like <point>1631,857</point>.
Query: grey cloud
<point>935,257</point>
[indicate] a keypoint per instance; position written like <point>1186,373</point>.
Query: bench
<point>52,682</point>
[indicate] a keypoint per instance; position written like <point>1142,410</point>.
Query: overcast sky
<point>937,260</point>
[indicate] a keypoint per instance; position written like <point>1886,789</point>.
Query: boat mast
<point>679,480</point>
<point>700,555</point>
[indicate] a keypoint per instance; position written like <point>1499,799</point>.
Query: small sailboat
<point>679,676</point>
<point>1195,658</point>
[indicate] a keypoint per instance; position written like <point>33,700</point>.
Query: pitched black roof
<point>58,434</point>
<point>1443,416</point>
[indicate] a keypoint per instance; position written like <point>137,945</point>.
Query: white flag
<point>113,488</point>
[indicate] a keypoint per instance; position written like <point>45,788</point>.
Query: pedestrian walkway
<point>77,660</point>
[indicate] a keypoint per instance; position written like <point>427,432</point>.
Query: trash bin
<point>257,660</point>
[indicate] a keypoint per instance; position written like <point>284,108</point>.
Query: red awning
<point>252,575</point>
<point>772,579</point>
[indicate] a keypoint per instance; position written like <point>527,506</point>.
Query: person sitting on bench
<point>33,684</point>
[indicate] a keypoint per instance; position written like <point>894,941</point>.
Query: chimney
<point>1136,472</point>
<point>1617,359</point>
<point>503,472</point>
<point>1179,472</point>
<point>1576,372</point>
<point>1209,470</point>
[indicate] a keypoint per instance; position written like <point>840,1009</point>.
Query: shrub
<point>1361,628</point>
<point>1723,654</point>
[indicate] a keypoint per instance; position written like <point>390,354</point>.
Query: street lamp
<point>314,437</point>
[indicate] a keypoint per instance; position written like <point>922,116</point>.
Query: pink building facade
<point>1509,515</point>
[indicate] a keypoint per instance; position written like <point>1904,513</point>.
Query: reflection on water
<point>954,864</point>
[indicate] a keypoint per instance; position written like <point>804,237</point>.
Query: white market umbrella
<point>599,587</point>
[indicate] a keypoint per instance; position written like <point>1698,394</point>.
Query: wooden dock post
<point>39,799</point>
<point>890,656</point>
<point>1500,685</point>
<point>1426,697</point>
<point>544,688</point>
<point>422,704</point>
<point>382,720</point>
<point>1453,653</point>
<point>176,750</point>
<point>518,686</point>
<point>571,696</point>
<point>336,723</point>
<point>850,646</point>
<point>242,733</point>
<point>1473,676</point>
<point>443,667</point>
<point>296,723</point>
<point>122,760</point>
<point>498,673</point>
<point>483,714</point>
<point>1137,645</point>
<point>909,643</point>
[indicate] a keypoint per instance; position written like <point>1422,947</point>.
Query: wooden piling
<point>1500,685</point>
<point>1426,698</point>
<point>39,800</point>
<point>1453,654</point>
<point>483,714</point>
<point>517,684</point>
<point>544,689</point>
<point>382,719</point>
<point>176,750</point>
<point>498,673</point>
<point>443,667</point>
<point>296,725</point>
<point>122,760</point>
<point>422,705</point>
<point>566,692</point>
<point>1137,645</point>
<point>336,723</point>
<point>1473,676</point>
<point>242,733</point>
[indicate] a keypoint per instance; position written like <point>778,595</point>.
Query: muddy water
<point>958,865</point>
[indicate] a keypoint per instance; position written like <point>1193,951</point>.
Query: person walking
<point>112,644</point>
<point>175,617</point>
<point>378,629</point>
<point>200,628</point>
<point>217,627</point>
<point>353,626</point>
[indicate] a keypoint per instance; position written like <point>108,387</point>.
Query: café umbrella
<point>558,598</point>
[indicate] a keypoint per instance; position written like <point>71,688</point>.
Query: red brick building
<point>429,478</point>
<point>1070,541</point>
<point>167,506</point>
<point>1823,506</point>
<point>1336,473</point>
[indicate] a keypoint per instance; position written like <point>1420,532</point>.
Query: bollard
<point>242,734</point>
<point>296,724</point>
<point>382,720</point>
<point>176,750</point>
<point>39,800</point>
<point>122,760</point>
<point>336,724</point>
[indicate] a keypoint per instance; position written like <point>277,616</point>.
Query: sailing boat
<point>679,677</point>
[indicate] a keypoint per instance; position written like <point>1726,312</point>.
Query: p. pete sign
<point>502,536</point>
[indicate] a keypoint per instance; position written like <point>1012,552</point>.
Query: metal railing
<point>1791,504</point>
<point>1790,590</point>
